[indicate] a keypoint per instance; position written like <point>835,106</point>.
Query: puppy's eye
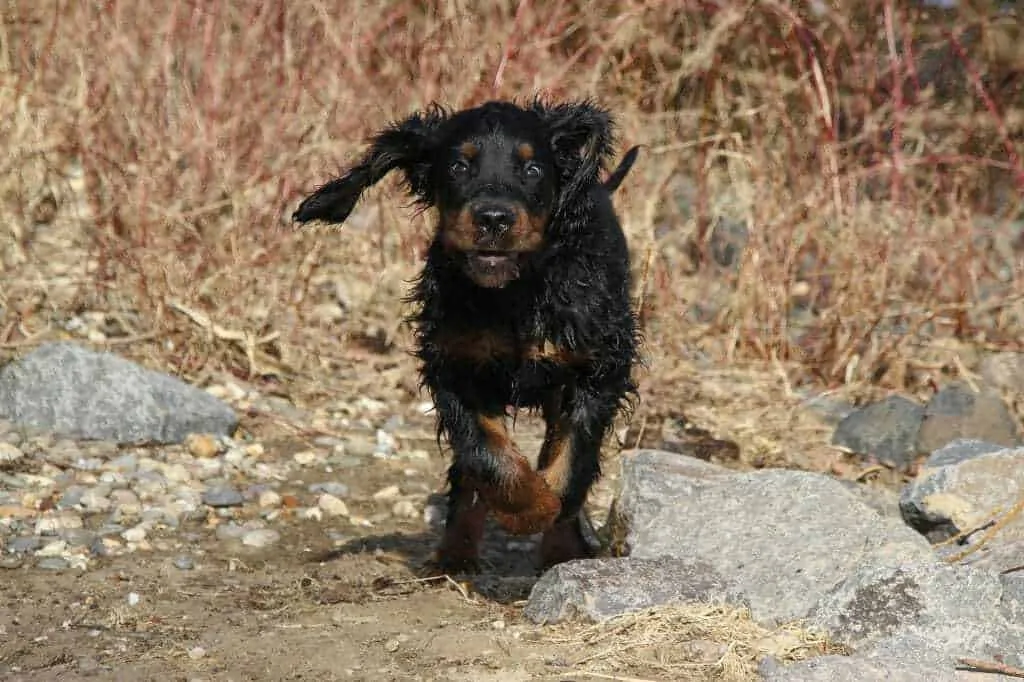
<point>533,170</point>
<point>460,167</point>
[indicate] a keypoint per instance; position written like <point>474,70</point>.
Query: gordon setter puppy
<point>523,301</point>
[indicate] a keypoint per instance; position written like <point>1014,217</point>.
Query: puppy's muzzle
<point>492,221</point>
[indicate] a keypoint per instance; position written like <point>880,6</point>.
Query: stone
<point>331,505</point>
<point>854,669</point>
<point>202,445</point>
<point>883,500</point>
<point>222,496</point>
<point>961,487</point>
<point>54,523</point>
<point>1003,370</point>
<point>956,412</point>
<point>886,430</point>
<point>183,562</point>
<point>599,589</point>
<point>261,537</point>
<point>331,487</point>
<point>783,538</point>
<point>918,608</point>
<point>77,393</point>
<point>269,499</point>
<point>52,563</point>
<point>9,454</point>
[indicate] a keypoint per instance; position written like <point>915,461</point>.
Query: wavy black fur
<point>572,292</point>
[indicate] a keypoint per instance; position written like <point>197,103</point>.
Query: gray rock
<point>783,538</point>
<point>222,496</point>
<point>960,487</point>
<point>78,393</point>
<point>24,545</point>
<point>853,669</point>
<point>886,430</point>
<point>71,497</point>
<point>956,412</point>
<point>598,589</point>
<point>1003,371</point>
<point>261,537</point>
<point>183,562</point>
<point>1012,604</point>
<point>52,563</point>
<point>330,487</point>
<point>925,609</point>
<point>883,500</point>
<point>832,410</point>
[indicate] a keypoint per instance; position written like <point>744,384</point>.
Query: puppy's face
<point>494,183</point>
<point>501,177</point>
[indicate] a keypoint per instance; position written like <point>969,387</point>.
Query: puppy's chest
<point>500,348</point>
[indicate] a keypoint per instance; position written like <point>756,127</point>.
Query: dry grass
<point>154,153</point>
<point>687,642</point>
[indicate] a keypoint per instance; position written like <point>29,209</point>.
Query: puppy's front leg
<point>500,474</point>
<point>578,418</point>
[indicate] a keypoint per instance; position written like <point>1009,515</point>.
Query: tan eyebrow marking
<point>525,151</point>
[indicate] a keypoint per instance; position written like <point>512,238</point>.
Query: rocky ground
<point>241,536</point>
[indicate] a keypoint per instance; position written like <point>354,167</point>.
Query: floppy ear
<point>404,146</point>
<point>581,135</point>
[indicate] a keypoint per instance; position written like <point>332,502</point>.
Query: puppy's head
<point>501,177</point>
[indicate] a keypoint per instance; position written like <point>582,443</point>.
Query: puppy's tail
<point>620,173</point>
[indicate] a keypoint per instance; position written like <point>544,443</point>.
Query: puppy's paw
<point>442,564</point>
<point>563,542</point>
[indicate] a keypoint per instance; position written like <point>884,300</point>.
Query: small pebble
<point>202,445</point>
<point>306,457</point>
<point>134,534</point>
<point>391,646</point>
<point>126,502</point>
<point>94,501</point>
<point>133,599</point>
<point>124,463</point>
<point>183,562</point>
<point>261,537</point>
<point>78,537</point>
<point>10,562</point>
<point>405,509</point>
<point>331,505</point>
<point>24,545</point>
<point>230,531</point>
<point>222,496</point>
<point>106,547</point>
<point>388,493</point>
<point>196,652</point>
<point>9,453</point>
<point>51,525</point>
<point>71,497</point>
<point>312,514</point>
<point>269,499</point>
<point>52,563</point>
<point>330,487</point>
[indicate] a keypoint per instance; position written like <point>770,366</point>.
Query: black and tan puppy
<point>523,302</point>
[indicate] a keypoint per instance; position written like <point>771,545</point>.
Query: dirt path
<point>338,599</point>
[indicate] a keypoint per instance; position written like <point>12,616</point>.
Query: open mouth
<point>492,269</point>
<point>492,259</point>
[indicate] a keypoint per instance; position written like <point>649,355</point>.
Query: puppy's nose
<point>493,220</point>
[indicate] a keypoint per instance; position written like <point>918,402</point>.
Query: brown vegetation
<point>156,150</point>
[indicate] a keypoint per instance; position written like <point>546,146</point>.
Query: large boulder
<point>77,393</point>
<point>783,539</point>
